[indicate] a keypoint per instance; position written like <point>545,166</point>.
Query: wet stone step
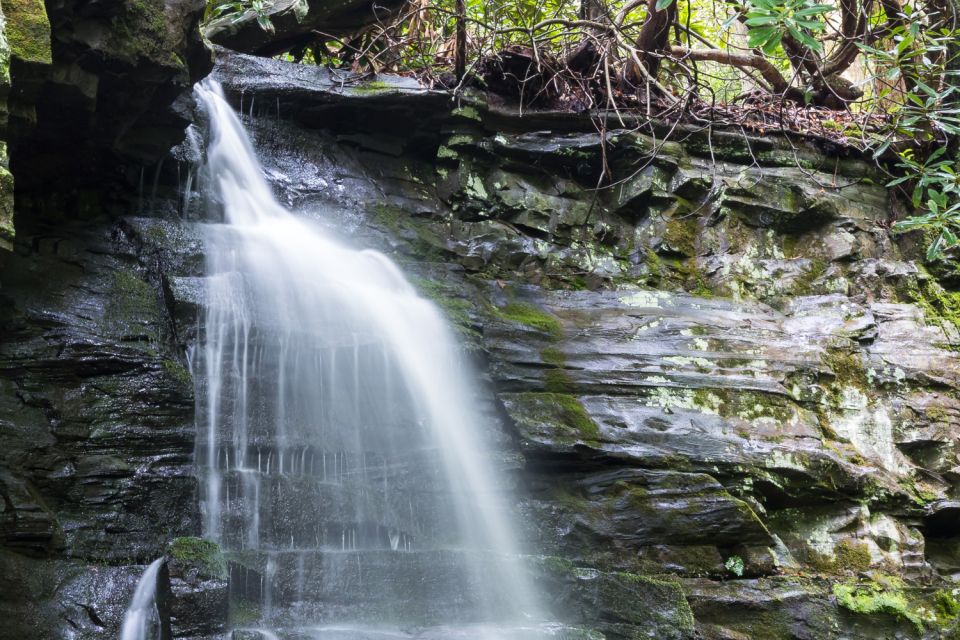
<point>281,513</point>
<point>467,632</point>
<point>373,586</point>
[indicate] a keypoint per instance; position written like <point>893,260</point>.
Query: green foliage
<point>904,105</point>
<point>770,20</point>
<point>734,565</point>
<point>936,193</point>
<point>238,9</point>
<point>946,603</point>
<point>918,67</point>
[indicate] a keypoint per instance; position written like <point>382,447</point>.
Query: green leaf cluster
<point>770,20</point>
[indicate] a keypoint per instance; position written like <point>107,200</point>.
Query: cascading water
<point>142,620</point>
<point>343,464</point>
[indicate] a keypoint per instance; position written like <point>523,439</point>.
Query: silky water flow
<point>341,452</point>
<point>142,619</point>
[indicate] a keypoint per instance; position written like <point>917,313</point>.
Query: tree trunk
<point>654,36</point>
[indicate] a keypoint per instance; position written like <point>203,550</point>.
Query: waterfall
<point>142,621</point>
<point>342,455</point>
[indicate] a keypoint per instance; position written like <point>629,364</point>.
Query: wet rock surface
<point>115,90</point>
<point>97,430</point>
<point>723,372</point>
<point>295,23</point>
<point>730,397</point>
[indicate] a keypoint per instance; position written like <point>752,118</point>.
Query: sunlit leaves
<point>238,9</point>
<point>936,192</point>
<point>770,20</point>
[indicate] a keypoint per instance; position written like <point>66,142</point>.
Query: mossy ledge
<point>888,595</point>
<point>566,412</point>
<point>531,316</point>
<point>203,555</point>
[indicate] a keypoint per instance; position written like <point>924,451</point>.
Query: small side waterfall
<point>344,465</point>
<point>142,619</point>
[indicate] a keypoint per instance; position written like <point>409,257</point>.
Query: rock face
<point>97,433</point>
<point>722,372</point>
<point>731,396</point>
<point>96,403</point>
<point>24,46</point>
<point>116,92</point>
<point>295,23</point>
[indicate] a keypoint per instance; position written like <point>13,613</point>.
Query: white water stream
<point>344,455</point>
<point>142,620</point>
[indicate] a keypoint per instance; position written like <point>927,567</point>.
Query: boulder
<point>294,23</point>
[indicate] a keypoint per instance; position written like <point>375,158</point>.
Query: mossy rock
<point>190,554</point>
<point>6,209</point>
<point>134,307</point>
<point>884,595</point>
<point>556,416</point>
<point>28,31</point>
<point>529,315</point>
<point>940,306</point>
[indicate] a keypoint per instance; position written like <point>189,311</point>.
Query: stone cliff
<point>730,393</point>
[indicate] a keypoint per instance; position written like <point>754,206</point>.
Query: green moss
<point>529,315</point>
<point>852,556</point>
<point>700,287</point>
<point>847,368</point>
<point>372,86</point>
<point>564,413</point>
<point>576,416</point>
<point>425,244</point>
<point>555,564</point>
<point>680,234</point>
<point>790,245</point>
<point>6,209</point>
<point>940,307</point>
<point>205,555</point>
<point>140,31</point>
<point>675,462</point>
<point>28,30</point>
<point>467,112</point>
<point>557,381</point>
<point>553,356</point>
<point>178,372</point>
<point>133,307</point>
<point>803,285</point>
<point>877,598</point>
<point>683,616</point>
<point>946,604</point>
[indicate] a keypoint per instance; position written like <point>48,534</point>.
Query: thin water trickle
<point>142,620</point>
<point>347,424</point>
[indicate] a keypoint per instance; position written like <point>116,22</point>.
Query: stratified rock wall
<point>730,396</point>
<point>90,121</point>
<point>96,402</point>
<point>722,372</point>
